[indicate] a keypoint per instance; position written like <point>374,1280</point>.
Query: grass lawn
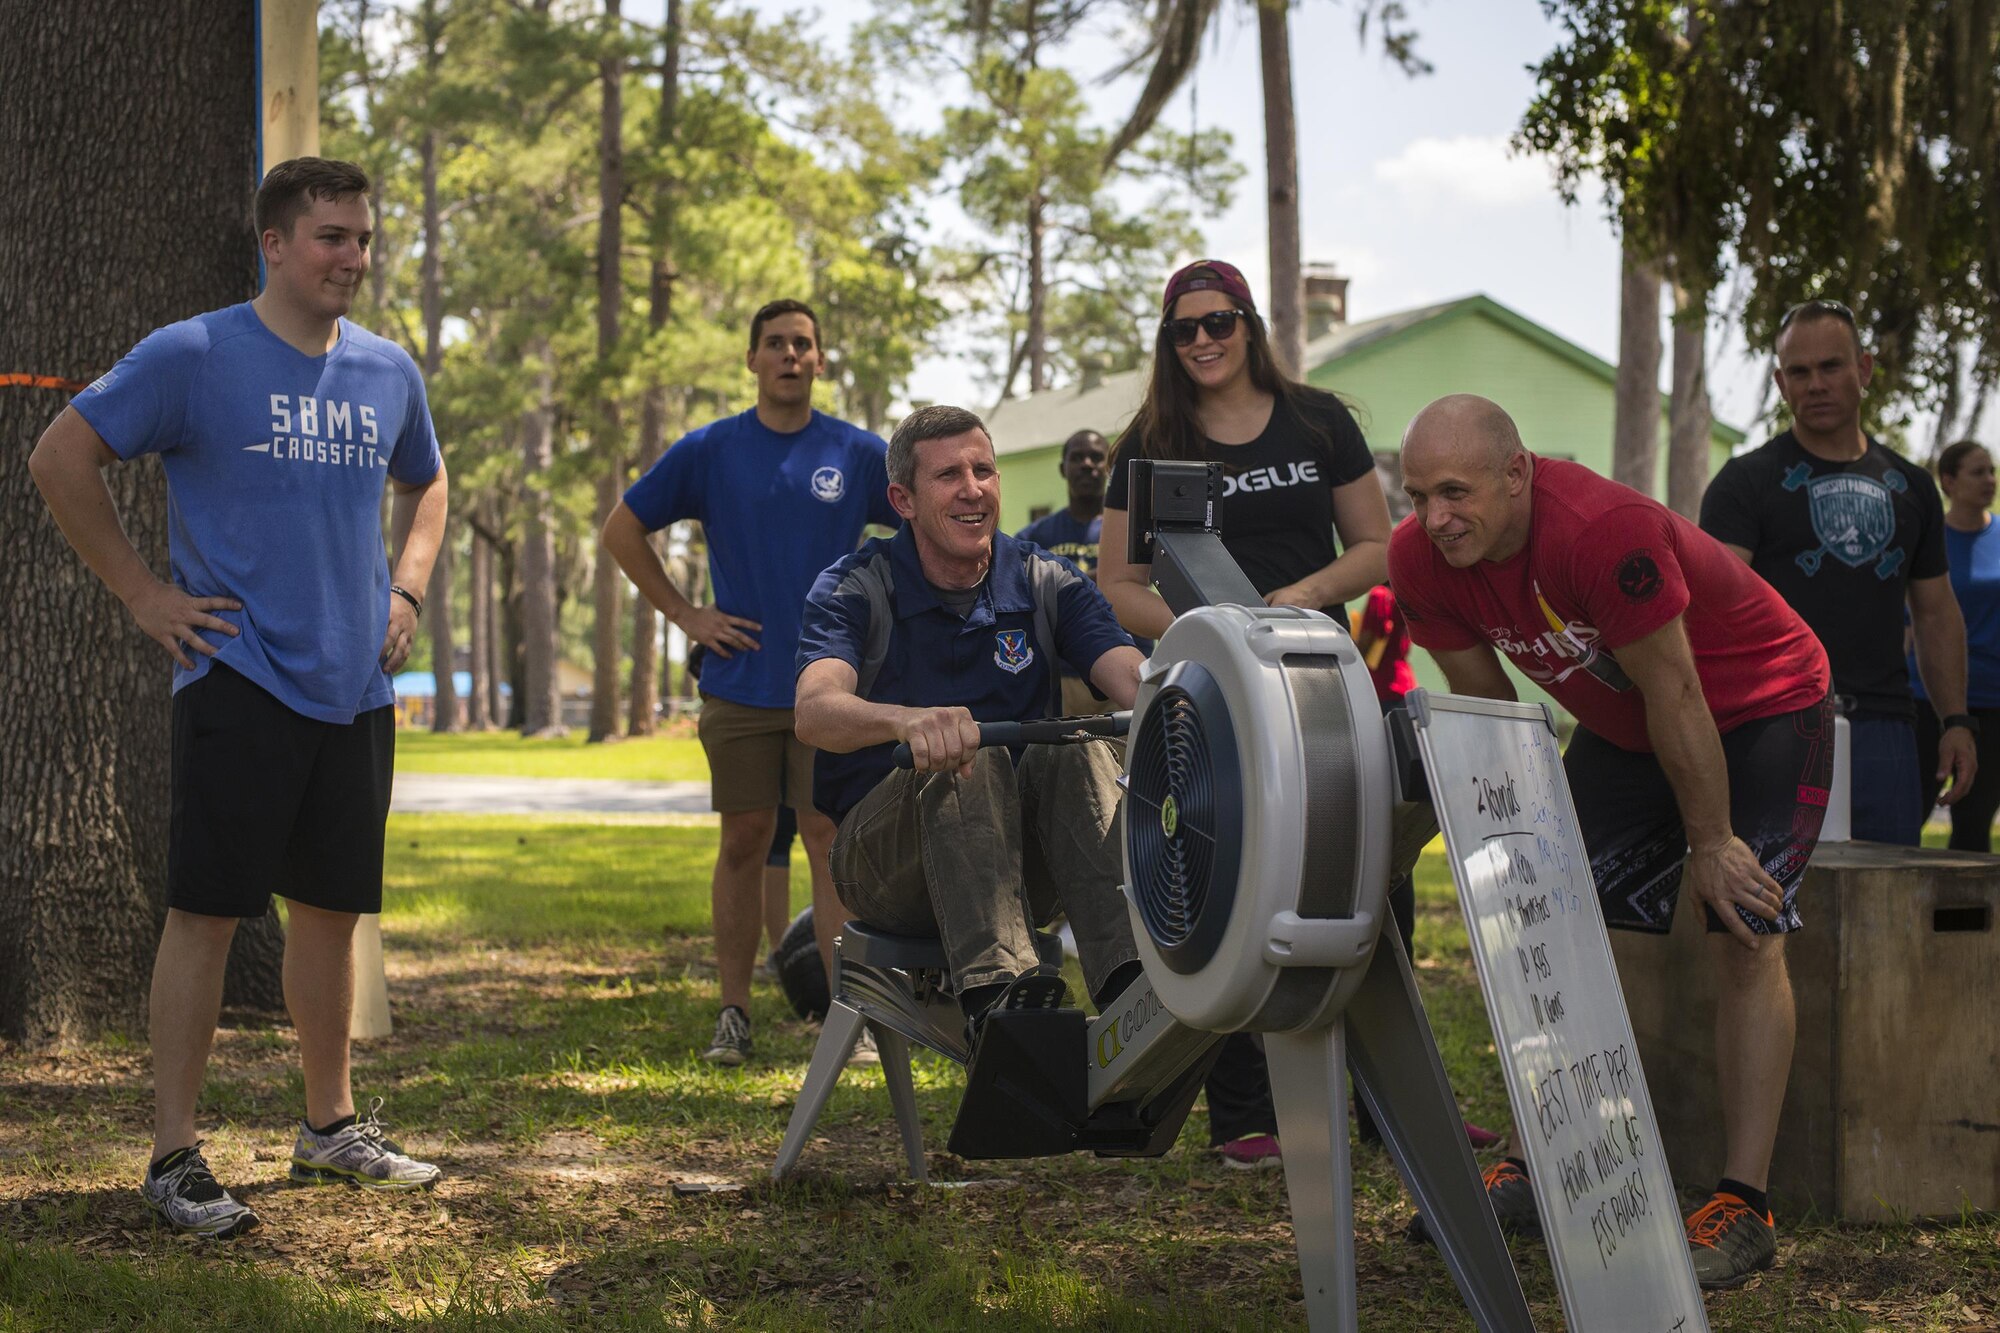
<point>552,990</point>
<point>667,758</point>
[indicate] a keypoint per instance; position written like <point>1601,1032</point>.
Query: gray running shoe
<point>359,1154</point>
<point>731,1045</point>
<point>1730,1243</point>
<point>865,1051</point>
<point>184,1192</point>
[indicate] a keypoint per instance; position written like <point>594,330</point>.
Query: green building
<point>1387,369</point>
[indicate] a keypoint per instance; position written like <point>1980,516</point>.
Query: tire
<point>800,972</point>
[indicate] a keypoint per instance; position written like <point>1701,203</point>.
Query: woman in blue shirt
<point>1972,544</point>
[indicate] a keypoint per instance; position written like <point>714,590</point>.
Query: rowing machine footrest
<point>1025,1090</point>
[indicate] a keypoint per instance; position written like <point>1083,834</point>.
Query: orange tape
<point>15,379</point>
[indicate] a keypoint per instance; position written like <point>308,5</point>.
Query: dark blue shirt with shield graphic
<point>1840,542</point>
<point>775,510</point>
<point>877,612</point>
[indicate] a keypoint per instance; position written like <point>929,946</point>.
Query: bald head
<point>1469,479</point>
<point>1462,431</point>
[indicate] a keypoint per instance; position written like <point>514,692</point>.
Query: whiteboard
<point>1582,1116</point>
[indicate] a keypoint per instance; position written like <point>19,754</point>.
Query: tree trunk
<point>607,637</point>
<point>437,598</point>
<point>255,975</point>
<point>1689,421</point>
<point>1635,429</point>
<point>513,637</point>
<point>1036,347</point>
<point>642,714</point>
<point>479,609</point>
<point>1981,389</point>
<point>1287,311</point>
<point>444,645</point>
<point>1947,412</point>
<point>84,770</point>
<point>608,581</point>
<point>690,573</point>
<point>1038,297</point>
<point>642,717</point>
<point>541,691</point>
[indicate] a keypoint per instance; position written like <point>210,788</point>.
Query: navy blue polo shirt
<point>875,611</point>
<point>775,510</point>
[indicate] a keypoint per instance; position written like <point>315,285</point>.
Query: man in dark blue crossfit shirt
<point>1849,532</point>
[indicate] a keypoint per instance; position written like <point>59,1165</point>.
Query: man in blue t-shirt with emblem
<point>781,492</point>
<point>1849,532</point>
<point>278,423</point>
<point>918,639</point>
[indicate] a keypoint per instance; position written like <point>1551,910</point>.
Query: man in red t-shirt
<point>1703,752</point>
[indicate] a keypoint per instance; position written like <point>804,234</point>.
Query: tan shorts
<point>755,762</point>
<point>1078,701</point>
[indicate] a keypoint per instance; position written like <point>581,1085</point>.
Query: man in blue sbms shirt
<point>277,423</point>
<point>781,492</point>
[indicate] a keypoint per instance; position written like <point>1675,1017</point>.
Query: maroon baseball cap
<point>1208,275</point>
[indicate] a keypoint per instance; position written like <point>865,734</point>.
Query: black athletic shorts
<point>266,800</point>
<point>1779,771</point>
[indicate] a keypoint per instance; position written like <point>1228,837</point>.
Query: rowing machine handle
<point>1044,731</point>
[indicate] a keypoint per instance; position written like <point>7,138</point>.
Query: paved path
<point>451,793</point>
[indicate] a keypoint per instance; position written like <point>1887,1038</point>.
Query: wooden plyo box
<point>1893,1105</point>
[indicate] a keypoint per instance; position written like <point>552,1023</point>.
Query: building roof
<point>1021,424</point>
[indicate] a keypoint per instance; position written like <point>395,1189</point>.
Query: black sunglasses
<point>1217,324</point>
<point>1821,307</point>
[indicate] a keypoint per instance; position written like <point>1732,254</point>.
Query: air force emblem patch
<point>1011,652</point>
<point>828,485</point>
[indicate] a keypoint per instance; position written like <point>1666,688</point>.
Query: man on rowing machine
<point>918,639</point>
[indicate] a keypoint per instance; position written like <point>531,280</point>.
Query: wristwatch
<point>1966,720</point>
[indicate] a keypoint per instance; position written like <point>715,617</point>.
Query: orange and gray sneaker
<point>1510,1194</point>
<point>1513,1198</point>
<point>1729,1242</point>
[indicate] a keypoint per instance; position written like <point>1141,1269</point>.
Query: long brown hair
<point>1168,425</point>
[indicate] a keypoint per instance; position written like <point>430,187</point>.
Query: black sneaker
<point>1729,1243</point>
<point>1040,989</point>
<point>184,1192</point>
<point>731,1045</point>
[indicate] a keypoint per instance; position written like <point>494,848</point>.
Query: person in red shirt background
<point>1384,641</point>
<point>1703,750</point>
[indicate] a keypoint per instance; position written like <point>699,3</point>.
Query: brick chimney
<point>1326,300</point>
